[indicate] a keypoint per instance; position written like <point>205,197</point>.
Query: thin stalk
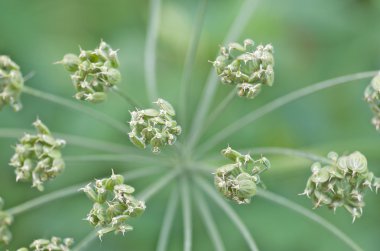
<point>127,98</point>
<point>283,151</point>
<point>309,214</point>
<point>189,61</point>
<point>186,213</point>
<point>150,50</point>
<point>242,19</point>
<point>112,158</point>
<point>229,212</point>
<point>278,103</point>
<point>78,107</point>
<point>168,221</point>
<point>82,245</point>
<point>154,188</point>
<point>209,222</point>
<point>219,109</point>
<point>72,190</point>
<point>73,140</point>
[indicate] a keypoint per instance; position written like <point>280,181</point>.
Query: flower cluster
<point>238,181</point>
<point>38,157</point>
<point>372,96</point>
<point>55,243</point>
<point>342,182</point>
<point>113,205</point>
<point>5,221</point>
<point>246,66</point>
<point>11,83</point>
<point>154,127</point>
<point>93,72</point>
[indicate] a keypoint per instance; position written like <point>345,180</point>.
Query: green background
<point>313,41</point>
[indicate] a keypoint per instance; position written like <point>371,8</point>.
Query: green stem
<point>278,103</point>
<point>234,32</point>
<point>112,158</point>
<point>189,61</point>
<point>157,186</point>
<point>219,109</point>
<point>150,50</point>
<point>73,140</point>
<point>309,214</point>
<point>186,212</point>
<point>167,222</point>
<point>68,191</point>
<point>75,106</point>
<point>212,229</point>
<point>127,98</point>
<point>229,212</point>
<point>85,242</point>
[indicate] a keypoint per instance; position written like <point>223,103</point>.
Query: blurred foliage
<point>313,41</point>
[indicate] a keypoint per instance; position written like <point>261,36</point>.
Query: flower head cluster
<point>113,205</point>
<point>343,182</point>
<point>154,127</point>
<point>246,66</point>
<point>5,221</point>
<point>55,243</point>
<point>38,157</point>
<point>11,83</point>
<point>372,96</point>
<point>238,181</point>
<point>93,72</point>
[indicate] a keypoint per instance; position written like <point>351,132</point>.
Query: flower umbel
<point>372,96</point>
<point>5,221</point>
<point>11,83</point>
<point>154,127</point>
<point>238,181</point>
<point>38,157</point>
<point>246,66</point>
<point>93,72</point>
<point>343,182</point>
<point>55,243</point>
<point>113,205</point>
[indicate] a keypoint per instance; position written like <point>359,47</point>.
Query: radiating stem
<point>212,229</point>
<point>242,19</point>
<point>283,151</point>
<point>167,223</point>
<point>219,109</point>
<point>127,98</point>
<point>277,103</point>
<point>189,62</point>
<point>76,106</point>
<point>152,189</point>
<point>229,212</point>
<point>186,213</point>
<point>309,214</point>
<point>73,140</point>
<point>150,50</point>
<point>113,158</point>
<point>68,191</point>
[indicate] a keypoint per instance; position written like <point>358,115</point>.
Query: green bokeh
<point>313,41</point>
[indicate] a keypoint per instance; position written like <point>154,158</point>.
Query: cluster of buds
<point>93,72</point>
<point>372,96</point>
<point>154,127</point>
<point>113,205</point>
<point>246,66</point>
<point>38,157</point>
<point>5,221</point>
<point>11,83</point>
<point>55,243</point>
<point>238,181</point>
<point>342,182</point>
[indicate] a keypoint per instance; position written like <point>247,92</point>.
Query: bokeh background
<point>313,41</point>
